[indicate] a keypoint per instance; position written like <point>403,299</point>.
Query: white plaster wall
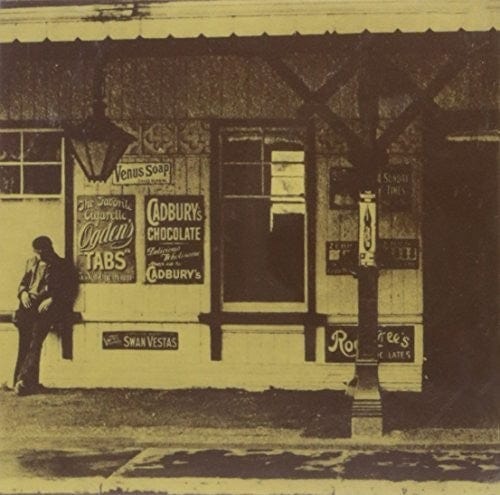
<point>8,352</point>
<point>20,222</point>
<point>256,359</point>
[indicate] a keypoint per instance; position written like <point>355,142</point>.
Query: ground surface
<point>235,442</point>
<point>314,413</point>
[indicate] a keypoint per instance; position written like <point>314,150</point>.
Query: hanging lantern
<point>97,143</point>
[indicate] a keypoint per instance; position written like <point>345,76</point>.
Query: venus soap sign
<point>135,170</point>
<point>105,238</point>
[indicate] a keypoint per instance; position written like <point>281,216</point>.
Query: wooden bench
<point>62,328</point>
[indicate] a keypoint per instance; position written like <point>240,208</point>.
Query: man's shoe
<point>20,388</point>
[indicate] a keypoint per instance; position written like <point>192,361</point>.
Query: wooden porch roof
<point>62,20</point>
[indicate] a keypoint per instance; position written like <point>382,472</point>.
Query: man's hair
<point>42,243</point>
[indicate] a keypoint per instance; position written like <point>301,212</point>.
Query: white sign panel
<point>143,170</point>
<point>367,229</point>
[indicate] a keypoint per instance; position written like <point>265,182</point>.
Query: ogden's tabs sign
<point>105,238</point>
<point>174,239</point>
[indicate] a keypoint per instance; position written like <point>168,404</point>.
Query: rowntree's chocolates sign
<point>396,344</point>
<point>174,233</point>
<point>105,239</point>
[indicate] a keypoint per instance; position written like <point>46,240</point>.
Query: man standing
<point>46,294</point>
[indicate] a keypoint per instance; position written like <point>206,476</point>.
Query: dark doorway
<point>461,262</point>
<point>263,215</point>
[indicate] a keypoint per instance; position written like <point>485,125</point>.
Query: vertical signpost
<point>367,406</point>
<point>366,416</point>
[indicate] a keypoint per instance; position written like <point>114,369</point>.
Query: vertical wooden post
<point>66,330</point>
<point>366,418</point>
<point>215,245</point>
<point>311,193</point>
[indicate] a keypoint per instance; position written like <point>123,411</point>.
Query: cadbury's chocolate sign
<point>105,239</point>
<point>174,232</point>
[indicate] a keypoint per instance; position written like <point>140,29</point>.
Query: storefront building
<point>223,249</point>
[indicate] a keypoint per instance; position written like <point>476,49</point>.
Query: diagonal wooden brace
<point>314,104</point>
<point>443,77</point>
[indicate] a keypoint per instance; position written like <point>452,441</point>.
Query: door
<point>461,263</point>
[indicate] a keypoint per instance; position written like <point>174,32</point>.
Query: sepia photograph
<point>249,247</point>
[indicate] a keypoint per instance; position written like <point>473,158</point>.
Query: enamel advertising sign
<point>174,239</point>
<point>141,340</point>
<point>105,239</point>
<point>137,170</point>
<point>396,344</point>
<point>341,257</point>
<point>396,187</point>
<point>393,254</point>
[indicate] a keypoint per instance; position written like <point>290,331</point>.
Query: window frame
<point>218,196</point>
<point>21,164</point>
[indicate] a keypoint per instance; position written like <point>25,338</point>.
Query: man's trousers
<point>33,328</point>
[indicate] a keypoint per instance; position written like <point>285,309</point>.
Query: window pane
<point>287,186</point>
<point>284,138</point>
<point>263,251</point>
<point>242,179</point>
<point>236,148</point>
<point>10,179</point>
<point>288,169</point>
<point>42,147</point>
<point>42,179</point>
<point>287,156</point>
<point>287,179</point>
<point>10,147</point>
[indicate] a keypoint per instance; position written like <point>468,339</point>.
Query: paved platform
<point>208,443</point>
<point>254,470</point>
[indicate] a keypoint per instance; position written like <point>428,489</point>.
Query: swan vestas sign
<point>141,340</point>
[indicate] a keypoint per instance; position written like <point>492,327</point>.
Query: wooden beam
<point>444,75</point>
<point>416,91</point>
<point>215,244</point>
<point>314,105</point>
<point>311,205</point>
<point>366,418</point>
<point>357,149</point>
<point>291,78</point>
<point>268,318</point>
<point>344,73</point>
<point>66,328</point>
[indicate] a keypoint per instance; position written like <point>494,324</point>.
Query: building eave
<point>149,19</point>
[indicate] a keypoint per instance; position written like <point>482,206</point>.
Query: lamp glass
<point>98,145</point>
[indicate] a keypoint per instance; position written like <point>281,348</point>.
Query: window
<point>263,215</point>
<point>31,162</point>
